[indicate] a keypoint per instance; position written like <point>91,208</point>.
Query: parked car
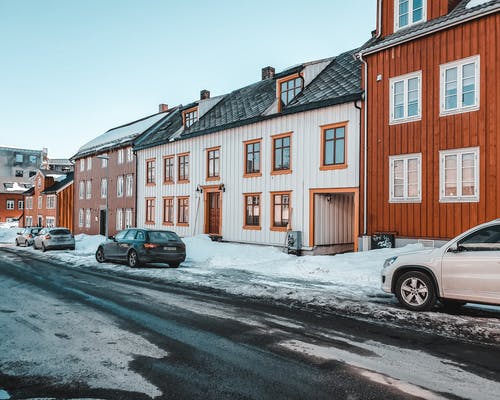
<point>54,238</point>
<point>26,236</point>
<point>142,246</point>
<point>466,269</point>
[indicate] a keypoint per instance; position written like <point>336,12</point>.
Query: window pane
<point>339,151</point>
<point>328,153</point>
<point>329,133</point>
<point>286,158</point>
<point>340,133</point>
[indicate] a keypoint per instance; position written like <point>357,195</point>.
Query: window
<point>32,173</point>
<point>80,217</point>
<point>89,189</point>
<point>19,158</point>
<point>129,185</point>
<point>168,210</point>
<point>252,211</point>
<point>89,163</point>
<point>40,204</point>
<point>81,190</point>
<point>280,212</point>
<point>82,164</point>
<point>333,147</point>
<point>150,211</point>
<point>51,202</point>
<point>486,239</point>
<point>130,154</point>
<point>168,169</point>
<point>121,156</point>
<point>405,177</point>
<point>32,159</point>
<point>459,175</point>
<point>10,204</point>
<point>119,219</point>
<point>288,89</point>
<point>183,211</point>
<point>190,116</point>
<point>39,183</point>
<point>408,12</point>
<point>29,221</point>
<point>104,161</point>
<point>460,86</point>
<point>213,163</point>
<point>104,188</point>
<point>128,218</point>
<point>405,99</point>
<point>119,186</point>
<point>281,153</point>
<point>183,164</point>
<point>150,172</point>
<point>20,205</point>
<point>29,203</point>
<point>252,158</point>
<point>19,173</point>
<point>50,222</point>
<point>87,218</point>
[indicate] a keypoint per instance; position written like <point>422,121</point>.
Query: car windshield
<point>60,232</point>
<point>163,236</point>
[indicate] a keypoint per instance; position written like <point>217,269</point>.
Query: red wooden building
<point>431,119</point>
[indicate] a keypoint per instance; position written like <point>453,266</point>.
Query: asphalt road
<point>74,333</point>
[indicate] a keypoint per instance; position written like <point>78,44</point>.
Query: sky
<point>72,69</point>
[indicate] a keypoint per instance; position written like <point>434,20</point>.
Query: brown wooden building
<point>431,122</point>
<point>50,201</point>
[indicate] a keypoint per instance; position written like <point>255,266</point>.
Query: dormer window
<point>289,88</point>
<point>190,116</point>
<point>408,12</point>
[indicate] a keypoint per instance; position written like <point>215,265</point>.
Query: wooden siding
<point>65,208</point>
<point>433,133</point>
<point>305,164</point>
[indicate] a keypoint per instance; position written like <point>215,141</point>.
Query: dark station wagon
<point>143,246</point>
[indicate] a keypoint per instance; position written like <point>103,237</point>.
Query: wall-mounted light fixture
<point>199,189</point>
<point>222,187</point>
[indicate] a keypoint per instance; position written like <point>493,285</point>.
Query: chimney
<point>204,94</point>
<point>162,107</point>
<point>267,73</point>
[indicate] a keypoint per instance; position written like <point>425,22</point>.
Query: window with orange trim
<point>280,211</point>
<point>183,167</point>
<point>289,88</point>
<point>168,210</point>
<point>213,163</point>
<point>252,158</point>
<point>333,147</point>
<point>252,211</point>
<point>150,210</point>
<point>190,116</point>
<point>281,153</point>
<point>183,210</point>
<point>150,172</point>
<point>168,169</point>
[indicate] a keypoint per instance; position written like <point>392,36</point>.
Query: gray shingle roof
<point>459,14</point>
<point>339,82</point>
<point>57,186</point>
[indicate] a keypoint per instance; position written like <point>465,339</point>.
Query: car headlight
<point>390,261</point>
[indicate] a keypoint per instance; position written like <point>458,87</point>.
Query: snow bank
<point>8,235</point>
<point>86,245</point>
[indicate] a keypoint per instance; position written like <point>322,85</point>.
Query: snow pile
<point>86,245</point>
<point>475,3</point>
<point>8,235</point>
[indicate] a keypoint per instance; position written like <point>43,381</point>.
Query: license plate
<point>170,248</point>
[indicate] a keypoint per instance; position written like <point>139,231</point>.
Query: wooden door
<point>213,213</point>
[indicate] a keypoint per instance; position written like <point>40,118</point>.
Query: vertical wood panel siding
<point>305,163</point>
<point>430,218</point>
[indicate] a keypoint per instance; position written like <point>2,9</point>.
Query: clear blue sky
<point>72,69</point>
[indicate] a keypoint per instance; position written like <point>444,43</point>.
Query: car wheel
<point>174,264</point>
<point>452,304</point>
<point>44,249</point>
<point>99,255</point>
<point>26,243</point>
<point>72,248</point>
<point>415,291</point>
<point>17,243</point>
<point>132,259</point>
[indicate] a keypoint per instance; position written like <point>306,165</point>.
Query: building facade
<point>277,156</point>
<point>431,119</point>
<point>20,163</point>
<point>12,199</point>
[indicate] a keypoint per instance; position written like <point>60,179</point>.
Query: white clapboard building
<point>276,156</point>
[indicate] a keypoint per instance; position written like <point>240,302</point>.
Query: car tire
<point>99,255</point>
<point>26,244</point>
<point>44,249</point>
<point>174,264</point>
<point>415,291</point>
<point>132,259</point>
<point>452,305</point>
<point>17,243</point>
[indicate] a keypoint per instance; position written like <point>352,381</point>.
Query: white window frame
<point>50,222</point>
<point>410,15</point>
<point>129,187</point>
<point>130,154</point>
<point>405,158</point>
<point>29,203</point>
<point>29,220</point>
<point>89,189</point>
<point>405,78</point>
<point>458,64</point>
<point>89,163</point>
<point>51,202</point>
<point>10,204</point>
<point>121,156</point>
<point>119,186</point>
<point>459,198</point>
<point>80,217</point>
<point>82,164</point>
<point>119,219</point>
<point>104,160</point>
<point>104,188</point>
<point>20,204</point>
<point>128,218</point>
<point>81,190</point>
<point>40,204</point>
<point>87,218</point>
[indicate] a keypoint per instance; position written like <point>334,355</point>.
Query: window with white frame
<point>50,222</point>
<point>104,188</point>
<point>89,163</point>
<point>40,204</point>
<point>29,203</point>
<point>81,189</point>
<point>130,154</point>
<point>51,202</point>
<point>87,218</point>
<point>104,160</point>
<point>82,164</point>
<point>405,178</point>
<point>459,175</point>
<point>29,221</point>
<point>129,185</point>
<point>128,218</point>
<point>119,186</point>
<point>460,86</point>
<point>80,217</point>
<point>20,204</point>
<point>119,219</point>
<point>121,154</point>
<point>89,189</point>
<point>409,12</point>
<point>10,204</point>
<point>406,98</point>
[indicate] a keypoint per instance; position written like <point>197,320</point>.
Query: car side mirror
<point>112,238</point>
<point>19,233</point>
<point>453,248</point>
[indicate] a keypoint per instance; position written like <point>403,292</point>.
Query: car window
<point>43,232</point>
<point>130,235</point>
<point>140,235</point>
<point>162,236</point>
<point>486,239</point>
<point>121,235</point>
<point>57,232</point>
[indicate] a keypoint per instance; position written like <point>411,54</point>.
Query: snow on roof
<point>121,134</point>
<point>475,3</point>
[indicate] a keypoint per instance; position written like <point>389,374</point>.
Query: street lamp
<point>105,157</point>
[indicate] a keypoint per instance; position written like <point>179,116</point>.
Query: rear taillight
<point>47,237</point>
<point>151,245</point>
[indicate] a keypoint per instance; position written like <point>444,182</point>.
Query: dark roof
<point>459,14</point>
<point>57,186</point>
<point>339,82</point>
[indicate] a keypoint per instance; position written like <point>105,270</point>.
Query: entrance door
<point>213,213</point>
<point>102,222</point>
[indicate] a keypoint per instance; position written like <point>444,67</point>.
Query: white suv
<point>466,269</point>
